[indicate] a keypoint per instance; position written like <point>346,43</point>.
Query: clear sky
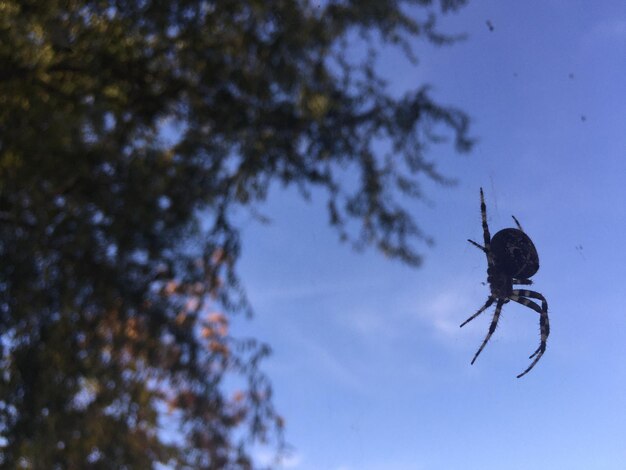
<point>370,368</point>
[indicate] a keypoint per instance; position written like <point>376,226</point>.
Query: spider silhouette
<point>511,259</point>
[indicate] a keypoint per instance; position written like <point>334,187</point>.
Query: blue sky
<point>370,368</point>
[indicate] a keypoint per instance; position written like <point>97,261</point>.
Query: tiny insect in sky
<point>511,259</point>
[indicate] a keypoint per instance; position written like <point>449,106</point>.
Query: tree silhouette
<point>129,132</point>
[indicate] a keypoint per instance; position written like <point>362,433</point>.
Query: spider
<point>511,259</point>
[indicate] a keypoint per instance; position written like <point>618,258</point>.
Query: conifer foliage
<point>130,130</point>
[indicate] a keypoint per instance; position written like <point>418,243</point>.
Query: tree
<point>129,133</point>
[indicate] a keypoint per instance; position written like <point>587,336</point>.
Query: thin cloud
<point>404,314</point>
<point>610,30</point>
<point>332,367</point>
<point>613,28</point>
<point>266,458</point>
<point>443,311</point>
<point>315,356</point>
<point>301,290</point>
<point>385,324</point>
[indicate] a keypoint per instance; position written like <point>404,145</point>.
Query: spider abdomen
<point>515,253</point>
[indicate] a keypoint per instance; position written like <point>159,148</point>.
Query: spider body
<point>500,283</point>
<point>514,253</point>
<point>514,257</point>
<point>511,259</point>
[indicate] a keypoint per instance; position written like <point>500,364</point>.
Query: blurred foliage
<point>120,123</point>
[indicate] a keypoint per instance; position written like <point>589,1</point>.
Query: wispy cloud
<point>407,315</point>
<point>448,309</point>
<point>443,311</point>
<point>374,324</point>
<point>397,316</point>
<point>265,458</point>
<point>291,461</point>
<point>300,290</point>
<point>328,364</point>
<point>316,356</point>
<point>609,30</point>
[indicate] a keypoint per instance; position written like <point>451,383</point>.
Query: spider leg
<point>492,327</point>
<point>544,315</point>
<point>518,224</point>
<point>518,295</point>
<point>476,244</point>
<point>544,334</point>
<point>483,214</point>
<point>490,300</point>
<point>522,281</point>
<point>535,353</point>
